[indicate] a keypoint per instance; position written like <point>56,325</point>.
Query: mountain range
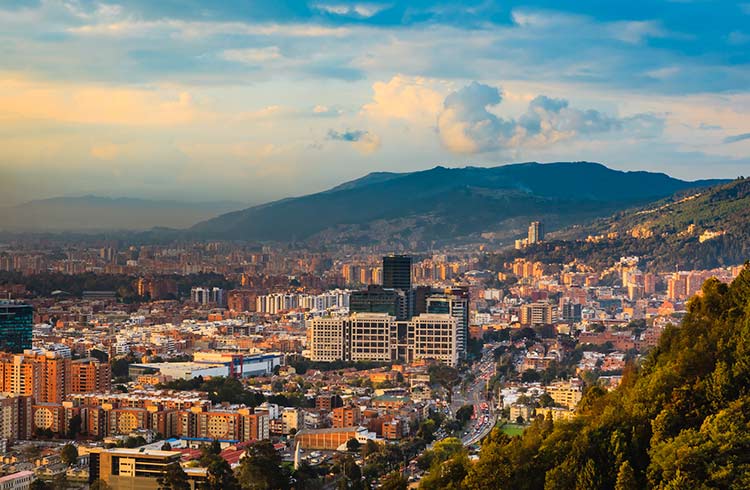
<point>94,213</point>
<point>443,205</point>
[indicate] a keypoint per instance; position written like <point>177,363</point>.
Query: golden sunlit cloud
<point>22,98</point>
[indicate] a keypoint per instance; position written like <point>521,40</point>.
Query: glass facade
<point>16,321</point>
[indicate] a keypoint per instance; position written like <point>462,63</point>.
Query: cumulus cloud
<point>362,10</point>
<point>410,98</point>
<point>466,124</point>
<point>364,141</point>
<point>737,137</point>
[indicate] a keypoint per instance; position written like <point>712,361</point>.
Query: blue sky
<point>253,101</point>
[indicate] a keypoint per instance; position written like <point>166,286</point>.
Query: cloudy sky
<point>249,100</point>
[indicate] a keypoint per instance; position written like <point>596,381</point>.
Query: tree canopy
<point>681,420</point>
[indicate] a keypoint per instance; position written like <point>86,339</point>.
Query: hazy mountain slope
<point>443,203</point>
<point>90,213</point>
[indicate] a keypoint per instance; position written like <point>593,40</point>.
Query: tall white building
<point>433,336</point>
<point>325,339</point>
<point>375,337</point>
<point>372,337</point>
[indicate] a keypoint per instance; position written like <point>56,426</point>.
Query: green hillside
<point>699,229</point>
<point>679,421</point>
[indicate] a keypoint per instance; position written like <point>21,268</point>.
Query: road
<point>474,394</point>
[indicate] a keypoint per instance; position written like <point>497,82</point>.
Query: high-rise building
<point>372,337</point>
<point>538,314</point>
<point>90,376</point>
<point>49,377</point>
<point>536,232</point>
<point>433,337</point>
<point>453,302</point>
<point>325,339</point>
<point>397,272</point>
<point>15,326</point>
<point>376,299</point>
<point>380,337</point>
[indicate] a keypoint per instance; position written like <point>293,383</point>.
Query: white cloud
<point>363,10</point>
<point>410,98</point>
<point>365,142</point>
<point>252,55</point>
<point>466,124</point>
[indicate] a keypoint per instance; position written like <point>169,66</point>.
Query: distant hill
<point>696,229</point>
<point>447,204</point>
<point>93,213</point>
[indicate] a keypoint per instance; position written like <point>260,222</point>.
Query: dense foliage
<point>682,420</point>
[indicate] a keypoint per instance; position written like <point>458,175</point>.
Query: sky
<point>252,101</point>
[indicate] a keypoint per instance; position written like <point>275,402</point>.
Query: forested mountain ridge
<point>445,205</point>
<point>699,229</point>
<point>681,420</point>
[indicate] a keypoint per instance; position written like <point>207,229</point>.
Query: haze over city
<point>374,245</point>
<point>253,101</point>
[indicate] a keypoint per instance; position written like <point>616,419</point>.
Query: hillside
<point>681,420</point>
<point>94,213</point>
<point>691,230</point>
<point>447,204</point>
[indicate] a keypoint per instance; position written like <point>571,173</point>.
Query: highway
<point>474,394</point>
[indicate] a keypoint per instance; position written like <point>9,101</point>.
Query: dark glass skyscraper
<point>397,272</point>
<point>15,326</point>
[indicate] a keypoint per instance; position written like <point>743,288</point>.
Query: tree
<point>39,485</point>
<point>306,477</point>
<point>220,475</point>
<point>464,414</point>
<point>74,426</point>
<point>370,447</point>
<point>394,481</point>
<point>626,478</point>
<point>261,468</point>
<point>215,447</point>
<point>174,478</point>
<point>353,445</point>
<point>69,454</point>
<point>445,376</point>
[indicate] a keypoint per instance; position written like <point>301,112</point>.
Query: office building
<point>570,312</point>
<point>126,468</point>
<point>453,302</point>
<point>15,326</point>
<point>325,339</point>
<point>380,337</point>
<point>376,299</point>
<point>433,337</point>
<point>536,232</point>
<point>372,337</point>
<point>397,272</point>
<point>534,314</point>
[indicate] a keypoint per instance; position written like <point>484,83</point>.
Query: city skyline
<point>255,102</point>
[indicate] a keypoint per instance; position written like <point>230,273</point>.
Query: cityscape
<point>324,245</point>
